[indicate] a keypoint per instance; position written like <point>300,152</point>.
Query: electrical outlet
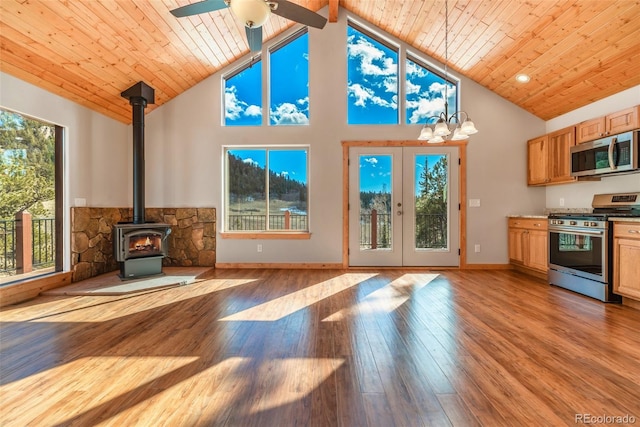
<point>561,201</point>
<point>474,203</point>
<point>259,248</point>
<point>477,248</point>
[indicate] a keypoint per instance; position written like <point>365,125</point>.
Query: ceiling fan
<point>254,13</point>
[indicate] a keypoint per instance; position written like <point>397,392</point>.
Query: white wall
<point>580,194</point>
<point>97,156</point>
<point>185,140</point>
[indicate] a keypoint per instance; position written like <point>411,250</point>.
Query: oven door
<point>581,252</point>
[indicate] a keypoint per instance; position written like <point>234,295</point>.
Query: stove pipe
<point>139,95</point>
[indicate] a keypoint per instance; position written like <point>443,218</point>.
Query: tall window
<point>289,81</point>
<point>243,95</point>
<point>30,197</point>
<point>425,92</point>
<point>372,72</point>
<point>266,189</point>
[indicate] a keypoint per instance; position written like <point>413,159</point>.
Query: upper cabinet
<point>611,124</point>
<point>549,157</point>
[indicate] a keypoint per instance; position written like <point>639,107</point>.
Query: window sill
<point>285,235</point>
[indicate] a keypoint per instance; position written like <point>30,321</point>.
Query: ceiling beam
<point>333,10</point>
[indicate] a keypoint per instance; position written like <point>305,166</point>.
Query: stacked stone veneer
<point>192,241</point>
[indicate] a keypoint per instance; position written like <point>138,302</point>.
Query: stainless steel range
<point>581,245</point>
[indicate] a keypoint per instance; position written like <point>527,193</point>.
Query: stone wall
<point>192,241</point>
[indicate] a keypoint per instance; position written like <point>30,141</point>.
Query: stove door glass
<point>579,252</point>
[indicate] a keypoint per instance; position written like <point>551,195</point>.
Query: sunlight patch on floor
<point>57,393</point>
<point>386,299</point>
<point>288,304</point>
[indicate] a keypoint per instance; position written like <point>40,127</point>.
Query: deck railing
<point>375,230</point>
<point>285,221</point>
<point>26,244</point>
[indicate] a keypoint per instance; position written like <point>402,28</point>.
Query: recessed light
<point>523,78</point>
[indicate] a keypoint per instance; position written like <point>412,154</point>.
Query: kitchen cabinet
<point>538,160</point>
<point>549,157</point>
<point>529,245</point>
<point>626,259</point>
<point>611,124</point>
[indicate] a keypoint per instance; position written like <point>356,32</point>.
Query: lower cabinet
<point>626,259</point>
<point>529,245</point>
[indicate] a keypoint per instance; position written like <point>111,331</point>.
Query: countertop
<point>623,219</point>
<point>528,216</point>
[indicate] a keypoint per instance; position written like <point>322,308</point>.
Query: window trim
<point>263,234</point>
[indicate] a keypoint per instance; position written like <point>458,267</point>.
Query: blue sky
<point>291,163</point>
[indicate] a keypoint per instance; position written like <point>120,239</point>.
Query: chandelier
<point>447,127</point>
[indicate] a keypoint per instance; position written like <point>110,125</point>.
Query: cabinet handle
<point>536,225</point>
<point>634,231</point>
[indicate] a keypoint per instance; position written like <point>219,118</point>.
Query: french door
<point>403,206</point>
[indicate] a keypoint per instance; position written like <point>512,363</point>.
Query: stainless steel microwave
<point>613,154</point>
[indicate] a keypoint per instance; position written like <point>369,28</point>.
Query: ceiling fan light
<point>441,128</point>
<point>468,128</point>
<point>425,133</point>
<point>253,13</point>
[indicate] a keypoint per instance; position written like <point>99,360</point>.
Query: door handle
<point>399,212</point>
<point>612,147</point>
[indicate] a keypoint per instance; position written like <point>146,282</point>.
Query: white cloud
<point>412,88</point>
<point>289,114</point>
<point>250,161</point>
<point>415,70</point>
<point>372,161</point>
<point>253,111</point>
<point>365,95</point>
<point>373,61</point>
<point>234,108</point>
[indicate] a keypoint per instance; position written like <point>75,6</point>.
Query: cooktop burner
<point>626,205</point>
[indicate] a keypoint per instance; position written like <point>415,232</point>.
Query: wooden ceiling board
<point>576,51</point>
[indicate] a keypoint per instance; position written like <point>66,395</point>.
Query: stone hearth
<point>192,241</point>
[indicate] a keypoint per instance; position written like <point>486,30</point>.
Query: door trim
<point>462,188</point>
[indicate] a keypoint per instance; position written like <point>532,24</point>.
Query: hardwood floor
<point>323,348</point>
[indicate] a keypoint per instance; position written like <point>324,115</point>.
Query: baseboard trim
<point>31,288</point>
<point>277,265</point>
<point>487,267</point>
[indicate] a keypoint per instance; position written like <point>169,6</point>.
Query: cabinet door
<point>626,269</point>
<point>622,121</point>
<point>560,144</point>
<point>590,130</point>
<point>538,158</point>
<point>538,249</point>
<point>516,247</point>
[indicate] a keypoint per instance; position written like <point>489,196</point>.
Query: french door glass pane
<point>375,201</point>
<point>431,201</point>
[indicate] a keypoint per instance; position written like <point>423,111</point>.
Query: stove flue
<point>139,247</point>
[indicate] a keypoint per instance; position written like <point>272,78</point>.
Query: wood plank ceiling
<point>88,51</point>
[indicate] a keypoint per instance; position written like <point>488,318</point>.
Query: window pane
<point>249,206</point>
<point>288,190</point>
<point>425,93</point>
<point>243,97</point>
<point>372,73</point>
<point>28,166</point>
<point>375,201</point>
<point>431,201</point>
<point>290,83</point>
<point>246,196</point>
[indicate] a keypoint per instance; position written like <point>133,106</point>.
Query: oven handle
<point>612,146</point>
<point>567,230</point>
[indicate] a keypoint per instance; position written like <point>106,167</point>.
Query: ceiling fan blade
<point>254,37</point>
<point>197,8</point>
<point>300,14</point>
